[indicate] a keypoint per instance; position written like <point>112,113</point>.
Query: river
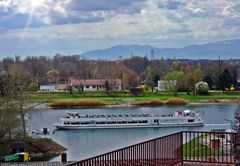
<point>83,144</point>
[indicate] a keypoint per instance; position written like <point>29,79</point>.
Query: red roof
<point>62,87</point>
<point>73,81</point>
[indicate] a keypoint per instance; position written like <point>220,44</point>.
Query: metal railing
<point>160,151</point>
<point>185,146</point>
<point>208,147</point>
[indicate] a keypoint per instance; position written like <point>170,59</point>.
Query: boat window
<point>143,121</point>
<point>122,122</point>
<point>132,122</point>
<point>85,123</point>
<point>111,122</point>
<point>66,122</point>
<point>190,120</point>
<point>75,123</point>
<point>100,122</point>
<point>156,121</point>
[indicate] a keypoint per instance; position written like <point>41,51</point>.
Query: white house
<point>48,88</point>
<point>94,84</point>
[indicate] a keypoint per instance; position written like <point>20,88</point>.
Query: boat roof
<point>187,111</point>
<point>72,113</point>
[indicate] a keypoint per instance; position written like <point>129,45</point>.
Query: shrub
<point>176,101</point>
<point>148,103</point>
<point>201,88</point>
<point>73,104</point>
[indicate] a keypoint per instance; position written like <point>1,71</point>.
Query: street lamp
<point>231,122</point>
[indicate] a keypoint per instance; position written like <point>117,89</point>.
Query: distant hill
<point>226,49</point>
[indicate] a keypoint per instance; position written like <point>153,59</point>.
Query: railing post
<point>181,143</point>
<point>155,153</point>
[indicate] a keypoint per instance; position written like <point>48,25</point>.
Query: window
<point>87,86</point>
<point>100,122</point>
<point>132,122</point>
<point>190,120</point>
<point>143,121</point>
<point>75,123</point>
<point>122,122</point>
<point>85,123</point>
<point>66,122</point>
<point>94,86</point>
<point>111,122</point>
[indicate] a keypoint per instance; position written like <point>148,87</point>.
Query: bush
<point>176,101</point>
<point>73,104</point>
<point>148,103</point>
<point>33,86</point>
<point>201,88</point>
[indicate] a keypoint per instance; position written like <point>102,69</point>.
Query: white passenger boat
<point>74,120</point>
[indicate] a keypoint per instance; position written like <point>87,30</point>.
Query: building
<point>62,87</point>
<point>48,88</point>
<point>94,84</point>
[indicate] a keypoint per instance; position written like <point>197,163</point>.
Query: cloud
<point>228,10</point>
<point>104,5</point>
<point>115,21</point>
<point>170,4</point>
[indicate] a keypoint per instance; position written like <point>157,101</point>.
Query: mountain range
<point>228,49</point>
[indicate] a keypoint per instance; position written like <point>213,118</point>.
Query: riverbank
<point>147,104</point>
<point>39,149</point>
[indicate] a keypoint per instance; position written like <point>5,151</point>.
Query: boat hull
<point>78,127</point>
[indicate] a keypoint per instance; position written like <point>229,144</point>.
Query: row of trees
<point>133,71</point>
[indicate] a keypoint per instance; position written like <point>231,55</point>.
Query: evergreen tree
<point>224,80</point>
<point>209,81</point>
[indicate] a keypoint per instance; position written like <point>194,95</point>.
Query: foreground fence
<point>161,151</point>
<point>208,147</point>
<point>185,146</point>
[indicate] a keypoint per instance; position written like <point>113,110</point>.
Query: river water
<point>83,144</point>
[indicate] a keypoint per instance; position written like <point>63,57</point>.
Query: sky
<point>47,27</point>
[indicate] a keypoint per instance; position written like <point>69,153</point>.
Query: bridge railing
<point>185,146</point>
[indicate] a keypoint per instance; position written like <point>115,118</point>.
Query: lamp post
<point>237,144</point>
<point>231,122</point>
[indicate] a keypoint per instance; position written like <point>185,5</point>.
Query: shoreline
<point>127,105</point>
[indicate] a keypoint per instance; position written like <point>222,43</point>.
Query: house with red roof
<point>94,84</point>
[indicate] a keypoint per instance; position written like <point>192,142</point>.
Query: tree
<point>8,119</point>
<point>193,76</point>
<point>174,81</point>
<point>209,81</point>
<point>52,76</point>
<point>201,88</point>
<point>4,84</point>
<point>224,80</point>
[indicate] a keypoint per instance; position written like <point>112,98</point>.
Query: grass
<point>122,96</point>
<point>199,149</point>
<point>38,148</point>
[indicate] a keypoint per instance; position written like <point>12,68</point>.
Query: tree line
<point>133,71</point>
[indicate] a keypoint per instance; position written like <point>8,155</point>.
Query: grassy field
<point>195,149</point>
<point>122,97</point>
